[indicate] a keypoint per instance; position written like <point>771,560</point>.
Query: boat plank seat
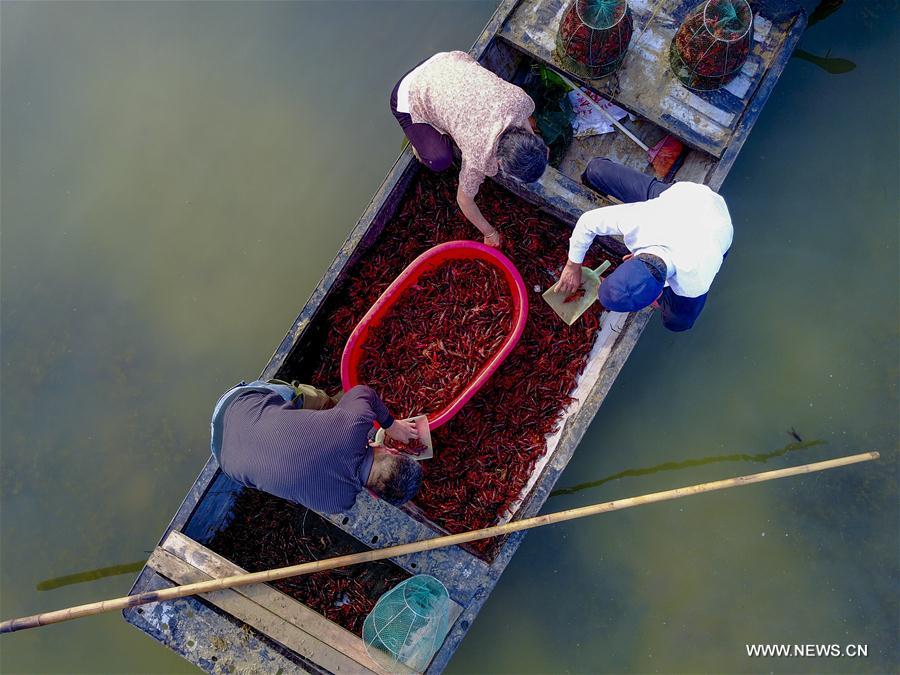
<point>267,610</point>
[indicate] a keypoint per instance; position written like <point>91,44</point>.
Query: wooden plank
<point>556,194</point>
<point>696,167</point>
<point>281,605</point>
<point>267,623</point>
<point>374,522</point>
<point>208,638</point>
<point>266,596</point>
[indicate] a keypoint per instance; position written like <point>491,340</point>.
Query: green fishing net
<point>408,624</point>
<point>601,14</point>
<point>552,109</point>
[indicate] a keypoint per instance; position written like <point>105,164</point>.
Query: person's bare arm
<point>473,214</point>
<point>597,222</point>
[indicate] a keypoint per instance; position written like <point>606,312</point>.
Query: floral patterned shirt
<point>457,96</point>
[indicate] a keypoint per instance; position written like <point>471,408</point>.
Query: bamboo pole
<point>417,546</point>
<point>605,113</point>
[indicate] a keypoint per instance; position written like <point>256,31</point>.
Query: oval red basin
<point>431,259</point>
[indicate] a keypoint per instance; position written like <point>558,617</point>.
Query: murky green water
<point>177,176</point>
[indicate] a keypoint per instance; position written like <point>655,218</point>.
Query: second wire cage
<point>712,44</point>
<point>593,36</point>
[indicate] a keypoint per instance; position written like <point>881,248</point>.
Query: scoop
<point>421,422</point>
<point>590,284</point>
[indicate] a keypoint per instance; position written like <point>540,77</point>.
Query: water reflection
<point>759,458</point>
<point>90,575</point>
<point>829,64</point>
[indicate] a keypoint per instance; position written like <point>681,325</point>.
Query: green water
<point>177,176</point>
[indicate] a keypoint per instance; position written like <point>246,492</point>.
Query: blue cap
<point>630,288</point>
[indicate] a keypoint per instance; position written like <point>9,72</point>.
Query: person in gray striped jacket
<point>296,442</point>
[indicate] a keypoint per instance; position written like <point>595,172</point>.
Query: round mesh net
<point>593,36</point>
<point>712,43</point>
<point>408,623</point>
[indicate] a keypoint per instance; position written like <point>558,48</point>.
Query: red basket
<point>432,258</point>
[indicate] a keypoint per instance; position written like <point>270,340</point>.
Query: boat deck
<point>709,121</point>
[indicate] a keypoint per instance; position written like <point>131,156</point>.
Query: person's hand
<point>627,257</point>
<point>402,431</point>
<point>493,239</point>
<point>570,281</point>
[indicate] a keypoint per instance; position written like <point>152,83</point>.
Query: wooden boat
<point>259,629</point>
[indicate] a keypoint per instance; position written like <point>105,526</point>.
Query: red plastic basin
<point>432,258</point>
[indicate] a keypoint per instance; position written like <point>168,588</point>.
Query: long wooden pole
<point>417,546</point>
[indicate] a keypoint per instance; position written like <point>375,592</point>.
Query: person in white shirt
<point>678,234</point>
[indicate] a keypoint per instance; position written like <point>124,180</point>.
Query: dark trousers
<point>435,149</point>
<point>629,186</point>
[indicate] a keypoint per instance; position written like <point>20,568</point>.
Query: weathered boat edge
<point>748,119</point>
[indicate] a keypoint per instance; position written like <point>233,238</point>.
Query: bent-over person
<point>298,443</point>
<point>678,235</point>
<point>451,99</point>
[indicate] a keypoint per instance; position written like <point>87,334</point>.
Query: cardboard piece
<point>421,422</point>
<point>570,311</point>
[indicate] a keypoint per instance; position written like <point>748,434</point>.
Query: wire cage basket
<point>408,624</point>
<point>712,44</point>
<point>593,36</point>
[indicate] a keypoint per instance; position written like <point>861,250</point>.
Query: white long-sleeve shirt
<point>688,226</point>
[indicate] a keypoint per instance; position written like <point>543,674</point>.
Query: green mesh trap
<point>408,624</point>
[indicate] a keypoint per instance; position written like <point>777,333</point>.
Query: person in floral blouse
<point>451,99</point>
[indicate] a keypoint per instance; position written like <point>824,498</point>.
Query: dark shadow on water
<point>831,65</point>
<point>91,575</point>
<point>761,458</point>
<point>822,11</point>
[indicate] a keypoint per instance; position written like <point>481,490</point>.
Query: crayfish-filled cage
<point>712,43</point>
<point>593,36</point>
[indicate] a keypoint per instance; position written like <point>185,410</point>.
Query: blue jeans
<point>629,186</point>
